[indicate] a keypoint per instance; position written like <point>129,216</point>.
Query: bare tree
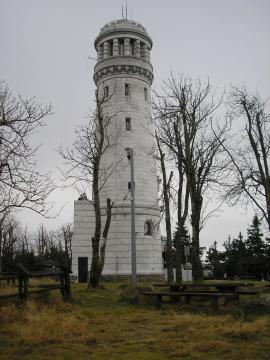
<point>21,184</point>
<point>250,152</point>
<point>84,165</point>
<point>14,239</point>
<point>190,108</point>
<point>170,129</point>
<point>42,241</point>
<point>64,238</point>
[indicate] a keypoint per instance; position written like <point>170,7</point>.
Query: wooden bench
<point>214,296</point>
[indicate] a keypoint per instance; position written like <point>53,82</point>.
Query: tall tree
<point>64,237</point>
<point>250,152</point>
<point>214,260</point>
<point>183,241</point>
<point>193,104</point>
<point>255,244</point>
<point>235,250</point>
<point>84,165</point>
<point>21,183</point>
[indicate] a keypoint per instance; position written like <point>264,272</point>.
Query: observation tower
<point>123,75</point>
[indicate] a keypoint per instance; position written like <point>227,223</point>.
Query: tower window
<point>106,92</point>
<point>121,46</point>
<point>128,124</point>
<point>127,89</point>
<point>145,94</point>
<point>132,46</point>
<point>129,186</point>
<point>111,48</point>
<point>148,227</point>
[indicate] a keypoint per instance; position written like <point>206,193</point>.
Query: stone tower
<point>123,74</point>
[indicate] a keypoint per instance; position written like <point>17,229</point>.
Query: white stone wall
<point>118,250</point>
<point>140,138</point>
<point>84,222</point>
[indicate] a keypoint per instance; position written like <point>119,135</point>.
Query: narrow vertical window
<point>111,48</point>
<point>129,186</point>
<point>148,227</point>
<point>128,124</point>
<point>145,94</point>
<point>106,92</point>
<point>121,47</point>
<point>127,89</point>
<point>131,47</point>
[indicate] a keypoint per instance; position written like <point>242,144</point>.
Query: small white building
<point>124,73</point>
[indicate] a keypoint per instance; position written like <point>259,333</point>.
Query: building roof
<point>123,24</point>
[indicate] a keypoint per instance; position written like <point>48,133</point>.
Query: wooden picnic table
<point>221,287</point>
<point>228,291</point>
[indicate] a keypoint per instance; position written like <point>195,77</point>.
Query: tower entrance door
<point>82,269</point>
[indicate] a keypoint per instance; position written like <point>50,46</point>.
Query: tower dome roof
<point>122,24</point>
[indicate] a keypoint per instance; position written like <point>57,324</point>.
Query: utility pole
<point>132,203</point>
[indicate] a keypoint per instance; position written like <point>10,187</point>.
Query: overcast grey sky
<point>45,45</point>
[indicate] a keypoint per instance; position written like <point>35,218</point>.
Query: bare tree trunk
<point>178,255</point>
<point>99,247</point>
<point>166,187</point>
<point>94,278</point>
<point>98,252</point>
<point>197,271</point>
<point>105,236</point>
<point>169,253</point>
<point>1,233</point>
<point>267,191</point>
<point>182,213</point>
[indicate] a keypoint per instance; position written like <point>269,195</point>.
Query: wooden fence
<point>23,275</point>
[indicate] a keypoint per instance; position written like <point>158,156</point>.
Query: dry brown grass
<point>37,323</point>
<point>101,326</point>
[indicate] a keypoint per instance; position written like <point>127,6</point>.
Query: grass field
<point>101,324</point>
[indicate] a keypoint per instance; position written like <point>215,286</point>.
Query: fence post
<point>20,292</point>
<point>25,287</point>
<point>65,284</point>
<point>23,282</point>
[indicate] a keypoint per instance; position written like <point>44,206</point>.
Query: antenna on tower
<point>122,12</point>
<point>131,13</point>
<point>126,10</point>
